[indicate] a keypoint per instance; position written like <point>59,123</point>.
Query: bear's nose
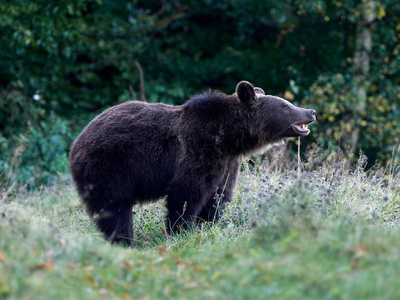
<point>312,112</point>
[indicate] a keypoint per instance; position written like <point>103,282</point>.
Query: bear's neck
<point>245,138</point>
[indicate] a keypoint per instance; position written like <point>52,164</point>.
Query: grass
<point>332,233</point>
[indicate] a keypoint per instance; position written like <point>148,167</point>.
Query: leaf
<point>360,250</point>
<point>46,266</point>
<point>381,12</point>
<point>183,263</point>
<point>161,250</point>
<point>288,95</point>
<point>127,264</point>
<point>104,293</point>
<point>1,256</point>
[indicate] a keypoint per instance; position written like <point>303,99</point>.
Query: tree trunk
<point>361,65</point>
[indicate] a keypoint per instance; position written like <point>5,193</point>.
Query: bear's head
<point>274,117</point>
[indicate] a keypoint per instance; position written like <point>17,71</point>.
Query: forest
<point>63,62</point>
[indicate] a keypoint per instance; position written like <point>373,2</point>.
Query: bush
<point>334,99</point>
<point>33,146</point>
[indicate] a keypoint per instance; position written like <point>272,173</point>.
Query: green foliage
<point>39,156</point>
<point>81,56</point>
<point>334,98</point>
<point>33,145</point>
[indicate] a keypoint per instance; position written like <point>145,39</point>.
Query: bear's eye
<point>285,106</point>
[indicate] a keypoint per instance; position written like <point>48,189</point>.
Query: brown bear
<point>138,152</point>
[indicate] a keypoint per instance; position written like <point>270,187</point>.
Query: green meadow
<point>327,232</point>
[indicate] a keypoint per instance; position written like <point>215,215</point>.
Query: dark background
<point>63,62</point>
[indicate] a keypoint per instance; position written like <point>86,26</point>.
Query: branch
<point>142,88</point>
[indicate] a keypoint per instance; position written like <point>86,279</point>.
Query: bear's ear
<point>245,92</point>
<point>258,90</point>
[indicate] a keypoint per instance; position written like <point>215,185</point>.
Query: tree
<point>361,65</point>
<point>78,58</point>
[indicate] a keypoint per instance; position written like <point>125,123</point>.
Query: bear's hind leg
<point>115,222</point>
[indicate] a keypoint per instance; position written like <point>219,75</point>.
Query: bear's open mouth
<point>301,129</point>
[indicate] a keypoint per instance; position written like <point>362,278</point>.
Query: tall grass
<point>330,233</point>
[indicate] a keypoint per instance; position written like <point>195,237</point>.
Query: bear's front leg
<point>183,207</point>
<point>212,208</point>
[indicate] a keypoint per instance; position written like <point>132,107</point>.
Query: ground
<point>331,232</point>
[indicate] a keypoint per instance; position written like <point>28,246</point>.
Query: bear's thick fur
<point>137,152</point>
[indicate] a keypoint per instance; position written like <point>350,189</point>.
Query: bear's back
<point>127,141</point>
<point>127,122</point>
